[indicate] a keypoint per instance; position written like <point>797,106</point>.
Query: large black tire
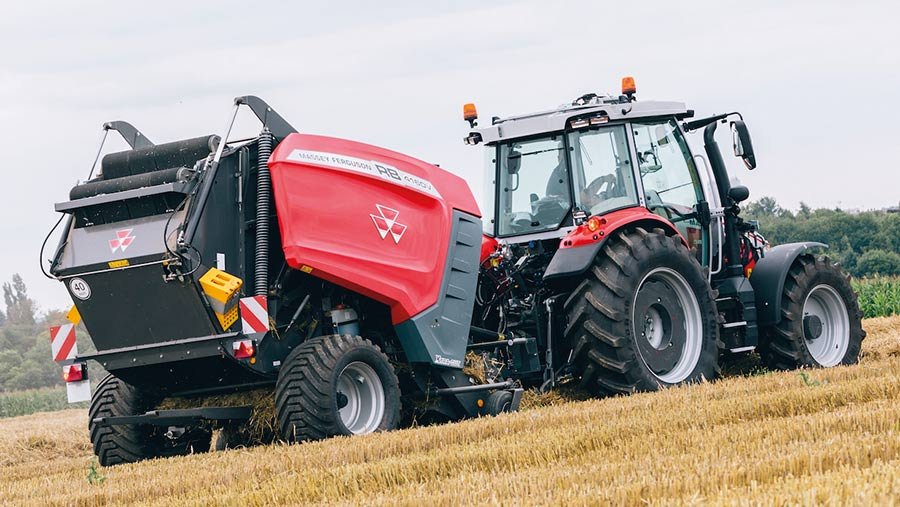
<point>129,443</point>
<point>114,445</point>
<point>795,342</point>
<point>625,320</point>
<point>308,397</point>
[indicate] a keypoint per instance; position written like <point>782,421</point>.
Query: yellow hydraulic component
<point>222,290</point>
<point>73,316</point>
<point>228,318</point>
<point>220,285</point>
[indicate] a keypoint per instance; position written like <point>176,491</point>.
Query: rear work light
<point>243,349</point>
<point>73,373</point>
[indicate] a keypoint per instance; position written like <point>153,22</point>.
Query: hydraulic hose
<point>263,200</point>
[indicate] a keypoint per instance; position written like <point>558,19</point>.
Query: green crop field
<point>878,297</point>
<point>34,400</point>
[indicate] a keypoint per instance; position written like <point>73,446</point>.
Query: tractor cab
<point>547,172</point>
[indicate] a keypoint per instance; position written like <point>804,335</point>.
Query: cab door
<point>671,185</point>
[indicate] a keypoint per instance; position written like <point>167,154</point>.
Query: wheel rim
<point>830,344</point>
<point>361,398</point>
<point>667,325</point>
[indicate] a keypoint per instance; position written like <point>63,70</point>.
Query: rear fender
<point>578,249</point>
<point>769,274</point>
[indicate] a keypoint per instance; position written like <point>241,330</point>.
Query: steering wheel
<point>592,195</point>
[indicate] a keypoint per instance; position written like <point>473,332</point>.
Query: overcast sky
<point>818,84</point>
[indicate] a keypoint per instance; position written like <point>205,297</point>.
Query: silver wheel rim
<point>648,326</point>
<point>363,393</point>
<point>830,347</point>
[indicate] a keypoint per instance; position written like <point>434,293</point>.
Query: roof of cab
<point>554,120</point>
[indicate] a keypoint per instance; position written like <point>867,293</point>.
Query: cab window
<point>534,190</point>
<point>601,168</point>
<point>671,185</point>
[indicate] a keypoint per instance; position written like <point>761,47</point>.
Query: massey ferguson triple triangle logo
<point>386,222</point>
<point>123,240</point>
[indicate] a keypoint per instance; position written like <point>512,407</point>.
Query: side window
<point>534,186</point>
<point>601,168</point>
<point>671,184</point>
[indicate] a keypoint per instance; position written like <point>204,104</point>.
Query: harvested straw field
<point>816,436</point>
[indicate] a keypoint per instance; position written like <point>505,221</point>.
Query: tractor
<point>364,289</point>
<point>624,251</point>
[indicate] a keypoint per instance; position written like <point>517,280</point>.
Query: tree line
<point>25,361</point>
<point>866,243</point>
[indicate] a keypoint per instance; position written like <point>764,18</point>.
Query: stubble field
<point>817,436</point>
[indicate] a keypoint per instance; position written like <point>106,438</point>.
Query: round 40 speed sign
<point>80,288</point>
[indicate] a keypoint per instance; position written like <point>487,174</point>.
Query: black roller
<point>162,156</point>
<point>108,186</point>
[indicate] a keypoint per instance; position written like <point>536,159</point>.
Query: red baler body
<point>369,219</point>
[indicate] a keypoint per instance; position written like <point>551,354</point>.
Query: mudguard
<point>579,248</point>
<point>769,275</point>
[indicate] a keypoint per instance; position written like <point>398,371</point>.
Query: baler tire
<point>498,402</point>
<point>119,444</point>
<point>306,393</point>
<point>603,330</point>
<point>783,346</point>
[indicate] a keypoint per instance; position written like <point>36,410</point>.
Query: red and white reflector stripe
<point>254,314</point>
<point>62,342</point>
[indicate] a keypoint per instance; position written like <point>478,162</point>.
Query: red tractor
<point>604,228</point>
<point>365,287</point>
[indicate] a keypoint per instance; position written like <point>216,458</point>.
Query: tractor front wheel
<point>643,318</point>
<point>820,319</point>
<point>336,385</point>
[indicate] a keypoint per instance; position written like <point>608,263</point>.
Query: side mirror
<point>743,147</point>
<point>739,193</point>
<point>513,162</point>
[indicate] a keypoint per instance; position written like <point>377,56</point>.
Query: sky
<point>816,81</point>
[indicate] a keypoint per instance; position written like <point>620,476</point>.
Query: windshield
<point>601,169</point>
<point>536,183</point>
<point>534,191</point>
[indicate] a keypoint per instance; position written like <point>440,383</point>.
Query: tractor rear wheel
<point>643,318</point>
<point>127,443</point>
<point>820,319</point>
<point>336,385</point>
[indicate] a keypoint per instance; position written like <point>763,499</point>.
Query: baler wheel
<point>114,445</point>
<point>643,318</point>
<point>820,319</point>
<point>498,402</point>
<point>336,385</point>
